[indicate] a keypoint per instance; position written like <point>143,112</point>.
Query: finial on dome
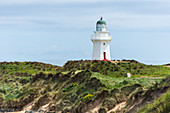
<point>101,21</point>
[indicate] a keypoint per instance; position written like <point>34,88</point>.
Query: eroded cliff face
<point>85,87</point>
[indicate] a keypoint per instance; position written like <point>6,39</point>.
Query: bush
<point>88,97</point>
<point>161,105</point>
<point>71,87</point>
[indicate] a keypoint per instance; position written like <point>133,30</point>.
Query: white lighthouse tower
<point>101,40</point>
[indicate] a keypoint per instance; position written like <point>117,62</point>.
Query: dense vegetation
<point>118,69</point>
<point>81,86</point>
<point>103,67</point>
<point>139,69</point>
<point>14,75</point>
<point>161,105</point>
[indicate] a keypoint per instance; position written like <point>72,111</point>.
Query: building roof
<point>101,21</point>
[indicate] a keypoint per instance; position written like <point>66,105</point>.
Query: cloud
<point>121,16</point>
<point>24,2</point>
<point>130,20</point>
<point>53,46</point>
<point>15,2</point>
<point>116,19</point>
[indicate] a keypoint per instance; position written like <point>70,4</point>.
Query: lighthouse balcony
<point>101,38</point>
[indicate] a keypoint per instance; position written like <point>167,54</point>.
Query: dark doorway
<point>104,55</point>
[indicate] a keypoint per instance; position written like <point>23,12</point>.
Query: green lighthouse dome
<point>101,21</point>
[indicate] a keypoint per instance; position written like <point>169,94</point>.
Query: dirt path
<point>16,112</point>
<point>26,108</point>
<point>129,75</point>
<point>94,110</point>
<point>29,106</point>
<point>150,77</point>
<point>118,107</point>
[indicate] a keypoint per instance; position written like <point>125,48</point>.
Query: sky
<point>55,31</point>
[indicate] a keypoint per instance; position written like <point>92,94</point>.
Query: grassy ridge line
<point>119,69</point>
<point>26,68</point>
<point>139,69</point>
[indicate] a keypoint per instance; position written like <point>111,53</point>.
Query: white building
<point>101,40</point>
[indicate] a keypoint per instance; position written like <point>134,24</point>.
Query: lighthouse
<point>101,40</point>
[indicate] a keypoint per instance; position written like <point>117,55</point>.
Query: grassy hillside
<point>80,86</point>
<point>139,69</point>
<point>161,105</point>
<point>14,75</point>
<point>119,69</point>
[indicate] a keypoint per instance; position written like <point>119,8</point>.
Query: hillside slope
<point>84,86</point>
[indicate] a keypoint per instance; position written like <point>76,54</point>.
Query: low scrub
<point>161,105</point>
<point>88,97</point>
<point>69,88</point>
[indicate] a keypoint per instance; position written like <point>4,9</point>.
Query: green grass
<point>161,105</point>
<point>14,75</point>
<point>16,78</point>
<point>26,68</point>
<point>139,69</point>
<point>103,67</point>
<point>114,82</point>
<point>69,88</point>
<point>119,69</point>
<point>10,91</point>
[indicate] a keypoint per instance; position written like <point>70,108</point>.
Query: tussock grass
<point>114,82</point>
<point>161,105</point>
<point>75,80</point>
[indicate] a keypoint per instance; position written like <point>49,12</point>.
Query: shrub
<point>88,97</point>
<point>161,105</point>
<point>69,88</point>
